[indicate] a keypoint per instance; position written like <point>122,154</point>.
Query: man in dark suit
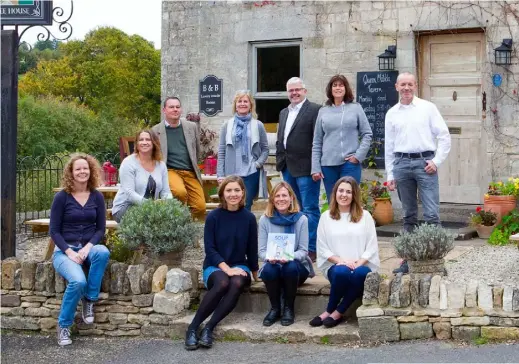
<point>294,153</point>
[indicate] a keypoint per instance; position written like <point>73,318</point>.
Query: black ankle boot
<point>206,338</point>
<point>191,342</point>
<point>288,316</point>
<point>271,317</point>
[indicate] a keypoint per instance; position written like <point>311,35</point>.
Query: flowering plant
<point>508,188</point>
<point>379,190</point>
<point>482,217</point>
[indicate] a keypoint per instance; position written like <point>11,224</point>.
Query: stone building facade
<point>448,44</point>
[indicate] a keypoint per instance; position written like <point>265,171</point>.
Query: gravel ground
<point>494,265</point>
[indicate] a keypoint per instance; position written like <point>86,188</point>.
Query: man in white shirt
<point>417,141</point>
<point>294,154</point>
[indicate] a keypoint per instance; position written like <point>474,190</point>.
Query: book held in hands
<point>280,246</point>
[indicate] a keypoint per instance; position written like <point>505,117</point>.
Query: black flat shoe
<point>191,342</point>
<point>331,322</point>
<point>271,317</point>
<point>206,338</point>
<point>288,317</point>
<point>316,322</point>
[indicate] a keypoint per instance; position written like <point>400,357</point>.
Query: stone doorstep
<point>460,230</point>
<point>249,327</point>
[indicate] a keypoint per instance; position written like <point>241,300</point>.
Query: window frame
<point>272,95</point>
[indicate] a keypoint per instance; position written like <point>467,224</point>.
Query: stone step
<point>249,327</point>
<point>461,230</point>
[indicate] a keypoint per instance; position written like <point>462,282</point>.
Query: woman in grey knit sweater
<point>143,175</point>
<point>282,216</point>
<point>342,136</point>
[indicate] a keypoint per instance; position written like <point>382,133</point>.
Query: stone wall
<point>215,37</point>
<point>135,299</point>
<point>401,308</point>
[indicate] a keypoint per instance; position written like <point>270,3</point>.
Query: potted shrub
<point>158,228</point>
<point>424,249</point>
<point>506,228</point>
<point>484,222</point>
<point>501,197</point>
<point>382,207</point>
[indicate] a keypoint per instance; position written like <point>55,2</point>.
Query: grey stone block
<point>466,333</point>
<point>134,273</point>
<point>380,328</point>
<point>28,274</point>
<point>371,288</point>
<point>9,268</point>
<point>416,330</point>
<point>424,286</point>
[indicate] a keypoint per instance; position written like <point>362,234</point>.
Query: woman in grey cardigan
<point>336,150</point>
<point>282,216</point>
<point>243,148</point>
<point>143,175</point>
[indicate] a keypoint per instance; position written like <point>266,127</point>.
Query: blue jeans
<point>293,269</point>
<point>251,188</point>
<point>346,286</point>
<point>78,285</point>
<point>333,173</point>
<point>307,193</point>
<point>411,179</point>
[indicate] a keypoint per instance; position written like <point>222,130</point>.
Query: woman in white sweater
<point>347,250</point>
<point>143,175</point>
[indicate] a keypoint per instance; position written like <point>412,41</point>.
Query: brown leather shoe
<point>313,256</point>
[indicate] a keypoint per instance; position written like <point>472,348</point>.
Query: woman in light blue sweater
<point>282,216</point>
<point>342,136</point>
<point>243,148</point>
<point>143,175</point>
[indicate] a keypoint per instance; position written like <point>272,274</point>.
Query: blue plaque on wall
<point>497,80</point>
<point>210,95</point>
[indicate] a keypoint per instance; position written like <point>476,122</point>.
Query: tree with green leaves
<point>109,71</point>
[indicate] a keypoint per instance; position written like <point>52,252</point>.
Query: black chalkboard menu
<point>377,94</point>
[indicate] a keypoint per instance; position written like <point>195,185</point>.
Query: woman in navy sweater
<point>231,255</point>
<point>77,225</point>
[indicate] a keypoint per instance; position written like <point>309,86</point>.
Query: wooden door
<point>451,77</point>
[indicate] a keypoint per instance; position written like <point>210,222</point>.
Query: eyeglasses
<point>295,90</point>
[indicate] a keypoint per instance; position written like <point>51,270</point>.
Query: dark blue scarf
<point>241,135</point>
<point>288,221</point>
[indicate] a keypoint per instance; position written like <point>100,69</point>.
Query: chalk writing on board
<point>376,93</point>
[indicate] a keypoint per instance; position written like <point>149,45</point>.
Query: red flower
<point>478,209</point>
<point>385,183</point>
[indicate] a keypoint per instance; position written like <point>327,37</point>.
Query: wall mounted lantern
<point>386,61</point>
<point>503,53</point>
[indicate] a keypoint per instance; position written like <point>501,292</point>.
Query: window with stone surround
<point>273,64</point>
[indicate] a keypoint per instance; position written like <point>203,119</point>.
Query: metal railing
<point>36,177</point>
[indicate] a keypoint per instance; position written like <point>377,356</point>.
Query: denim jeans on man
<point>78,285</point>
<point>411,178</point>
<point>251,188</point>
<point>333,173</point>
<point>307,193</point>
<point>346,285</point>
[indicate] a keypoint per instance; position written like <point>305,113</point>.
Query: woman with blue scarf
<point>287,269</point>
<point>243,148</point>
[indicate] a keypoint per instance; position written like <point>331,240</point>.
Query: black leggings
<point>221,298</point>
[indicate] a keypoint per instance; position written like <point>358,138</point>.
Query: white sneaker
<point>63,336</point>
<point>87,311</point>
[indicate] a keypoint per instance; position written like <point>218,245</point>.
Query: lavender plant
<point>426,242</point>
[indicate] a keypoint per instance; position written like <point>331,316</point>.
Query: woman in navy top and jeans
<point>231,255</point>
<point>77,225</point>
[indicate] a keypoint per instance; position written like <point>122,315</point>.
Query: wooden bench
<point>42,225</point>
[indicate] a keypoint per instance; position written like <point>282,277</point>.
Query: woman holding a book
<point>283,246</point>
<point>347,250</point>
<point>231,255</point>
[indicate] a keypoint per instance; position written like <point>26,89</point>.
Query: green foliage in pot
<point>162,226</point>
<point>118,250</point>
<point>508,226</point>
<point>426,242</point>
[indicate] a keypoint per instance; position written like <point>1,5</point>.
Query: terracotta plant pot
<point>383,211</point>
<point>484,231</point>
<point>501,205</point>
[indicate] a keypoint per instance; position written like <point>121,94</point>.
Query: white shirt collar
<point>170,126</point>
<point>297,107</point>
<point>413,103</point>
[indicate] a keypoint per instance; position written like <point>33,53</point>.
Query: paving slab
<point>460,229</point>
<point>249,327</point>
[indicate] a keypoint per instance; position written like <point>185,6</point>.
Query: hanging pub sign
<point>210,95</point>
<point>26,12</point>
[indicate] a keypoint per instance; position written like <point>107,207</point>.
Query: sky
<point>142,17</point>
